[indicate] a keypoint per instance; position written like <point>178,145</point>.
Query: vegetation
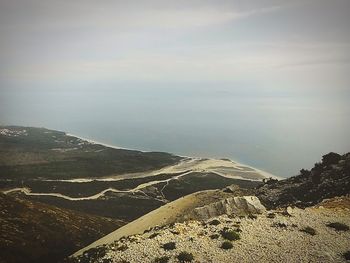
<point>42,153</point>
<point>271,215</point>
<point>252,216</point>
<point>279,224</point>
<point>311,231</point>
<point>346,255</point>
<point>47,233</point>
<point>163,259</point>
<point>122,247</point>
<point>185,257</point>
<point>214,236</point>
<point>154,235</point>
<point>198,181</point>
<point>169,246</point>
<point>324,181</point>
<point>338,226</point>
<point>215,222</point>
<point>226,245</point>
<point>230,235</point>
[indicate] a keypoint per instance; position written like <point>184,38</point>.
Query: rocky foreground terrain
<point>305,218</point>
<point>276,236</point>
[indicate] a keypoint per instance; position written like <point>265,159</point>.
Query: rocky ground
<point>307,220</point>
<point>292,235</point>
<point>327,179</point>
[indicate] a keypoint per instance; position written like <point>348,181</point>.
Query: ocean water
<point>277,133</point>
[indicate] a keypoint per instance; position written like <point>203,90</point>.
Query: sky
<point>302,44</point>
<point>288,61</point>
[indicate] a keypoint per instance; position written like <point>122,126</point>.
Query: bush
<point>230,235</point>
<point>346,255</point>
<point>338,226</point>
<point>214,236</point>
<point>169,246</point>
<point>153,235</point>
<point>122,247</point>
<point>271,215</point>
<point>185,256</point>
<point>251,216</point>
<point>214,222</point>
<point>226,245</point>
<point>163,259</point>
<point>279,224</point>
<point>311,231</point>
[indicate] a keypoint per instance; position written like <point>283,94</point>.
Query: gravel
<point>262,239</point>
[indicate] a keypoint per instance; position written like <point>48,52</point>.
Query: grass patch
<point>338,226</point>
<point>279,224</point>
<point>253,217</point>
<point>163,259</point>
<point>230,235</point>
<point>153,235</point>
<point>122,247</point>
<point>214,236</point>
<point>214,222</point>
<point>309,230</point>
<point>346,255</point>
<point>185,256</point>
<point>226,245</point>
<point>169,246</point>
<point>271,215</point>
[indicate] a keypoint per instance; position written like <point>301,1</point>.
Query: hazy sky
<point>268,44</point>
<point>262,81</point>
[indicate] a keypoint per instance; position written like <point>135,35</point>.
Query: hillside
<point>65,171</point>
<point>38,153</point>
<point>45,173</point>
<point>306,219</point>
<point>328,178</point>
<point>35,232</point>
<point>302,235</point>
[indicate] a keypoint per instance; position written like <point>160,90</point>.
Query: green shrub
<point>214,222</point>
<point>122,247</point>
<point>214,236</point>
<point>226,245</point>
<point>338,226</point>
<point>169,246</point>
<point>163,259</point>
<point>271,215</point>
<point>279,224</point>
<point>251,216</point>
<point>311,231</point>
<point>230,235</point>
<point>346,255</point>
<point>185,256</point>
<point>153,235</point>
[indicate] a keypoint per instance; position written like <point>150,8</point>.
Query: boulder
<point>239,205</point>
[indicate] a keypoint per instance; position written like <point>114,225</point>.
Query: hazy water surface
<point>279,134</point>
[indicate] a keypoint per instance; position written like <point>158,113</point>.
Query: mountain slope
<point>282,234</point>
<point>36,232</point>
<point>269,237</point>
<point>29,153</point>
<point>327,179</point>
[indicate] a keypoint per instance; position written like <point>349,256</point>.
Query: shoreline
<point>266,174</point>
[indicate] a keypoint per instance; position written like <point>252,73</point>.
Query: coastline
<point>266,174</point>
<point>101,143</point>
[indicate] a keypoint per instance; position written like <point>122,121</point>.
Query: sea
<point>278,133</point>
